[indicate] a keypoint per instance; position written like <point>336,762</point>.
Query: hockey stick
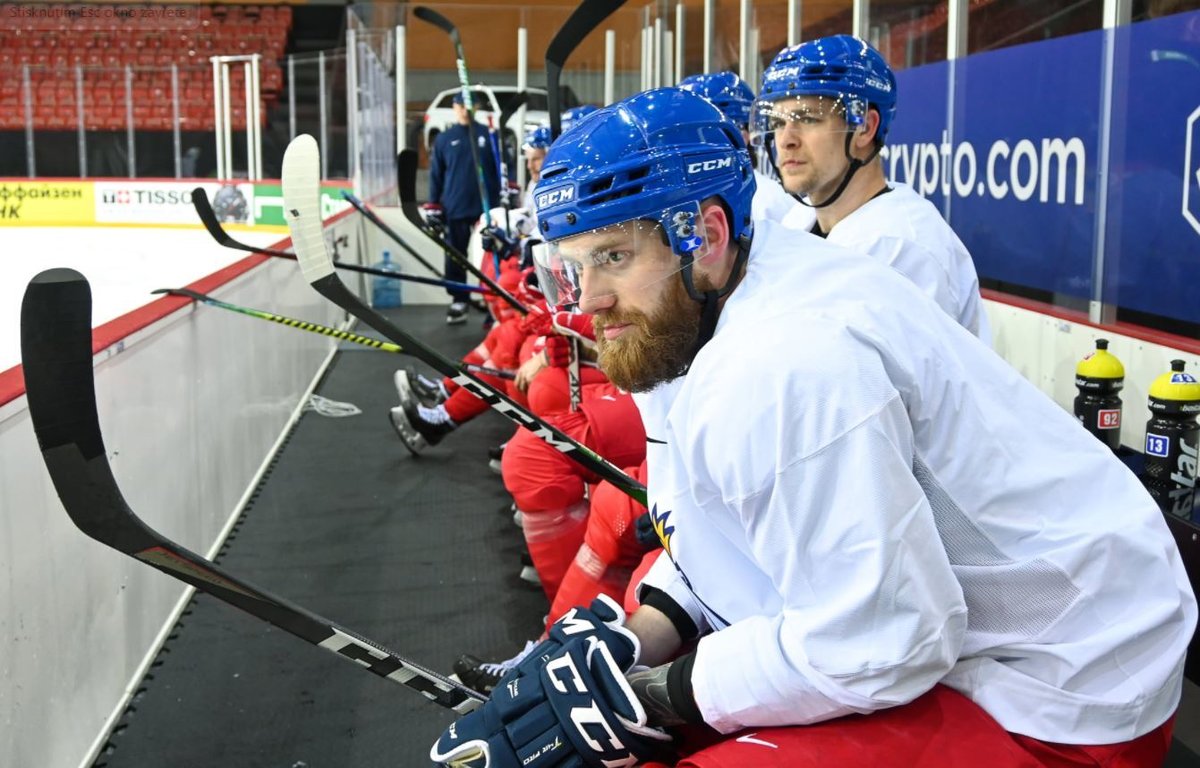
<point>431,16</point>
<point>56,349</point>
<point>519,99</point>
<point>371,217</point>
<point>301,179</point>
<point>324,330</point>
<point>516,102</point>
<point>582,22</point>
<point>406,177</point>
<point>209,218</point>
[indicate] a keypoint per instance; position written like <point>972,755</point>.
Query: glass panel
<point>910,32</point>
<point>1023,167</point>
<point>1152,242</point>
<point>912,154</point>
<point>1144,10</point>
<point>996,24</point>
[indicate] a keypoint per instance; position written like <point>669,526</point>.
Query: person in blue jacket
<point>454,187</point>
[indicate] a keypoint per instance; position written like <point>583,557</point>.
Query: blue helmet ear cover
<point>843,67</point>
<point>656,155</point>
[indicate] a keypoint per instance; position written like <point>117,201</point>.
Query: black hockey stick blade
<point>56,350</point>
<point>438,20</point>
<point>519,99</point>
<point>406,182</point>
<point>301,171</point>
<point>208,217</point>
<point>582,22</point>
<point>362,208</point>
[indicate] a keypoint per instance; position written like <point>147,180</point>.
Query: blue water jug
<point>385,291</point>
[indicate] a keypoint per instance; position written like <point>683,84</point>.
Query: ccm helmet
<point>644,158</point>
<point>842,67</point>
<point>575,114</point>
<point>538,138</point>
<point>730,93</point>
<point>650,160</point>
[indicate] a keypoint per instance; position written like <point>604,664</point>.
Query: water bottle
<point>1171,440</point>
<point>385,291</point>
<point>1099,377</point>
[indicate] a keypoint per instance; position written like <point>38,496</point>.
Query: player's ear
<point>716,227</point>
<point>864,137</point>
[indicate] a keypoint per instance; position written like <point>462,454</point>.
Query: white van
<point>489,102</point>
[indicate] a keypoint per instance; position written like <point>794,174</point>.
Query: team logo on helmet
<point>556,196</point>
<point>709,165</point>
<point>781,73</point>
<point>875,82</point>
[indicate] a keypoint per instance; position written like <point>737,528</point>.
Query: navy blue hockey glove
<point>577,711</point>
<point>644,531</point>
<point>604,618</point>
<point>494,240</point>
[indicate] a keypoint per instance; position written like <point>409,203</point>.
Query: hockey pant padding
<point>550,392</point>
<point>940,729</point>
<point>610,551</point>
<point>553,537</point>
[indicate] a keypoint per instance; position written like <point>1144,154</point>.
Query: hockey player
<point>822,115</point>
<point>734,97</point>
<point>879,544</point>
<point>535,146</point>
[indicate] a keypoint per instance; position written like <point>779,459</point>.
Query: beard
<point>657,347</point>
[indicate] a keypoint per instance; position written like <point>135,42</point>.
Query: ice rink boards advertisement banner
<point>149,202</point>
<point>1009,144</point>
<point>44,203</point>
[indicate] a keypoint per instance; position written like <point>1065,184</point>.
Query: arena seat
<point>52,53</point>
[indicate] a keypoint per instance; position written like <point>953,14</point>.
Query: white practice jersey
<point>863,500</point>
<point>771,200</point>
<point>904,230</point>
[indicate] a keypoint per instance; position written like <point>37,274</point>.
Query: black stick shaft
<point>56,349</point>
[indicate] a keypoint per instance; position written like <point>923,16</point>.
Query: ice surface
<point>122,265</point>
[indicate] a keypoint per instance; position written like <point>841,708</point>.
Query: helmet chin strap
<point>851,169</point>
<point>709,300</point>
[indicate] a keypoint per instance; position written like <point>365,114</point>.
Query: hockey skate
<point>410,385</point>
<point>418,426</point>
<point>483,676</point>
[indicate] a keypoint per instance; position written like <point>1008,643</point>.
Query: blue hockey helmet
<point>842,67</point>
<point>646,157</point>
<point>732,95</point>
<point>575,114</point>
<point>538,138</point>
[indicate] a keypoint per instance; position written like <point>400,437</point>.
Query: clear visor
<point>619,260</point>
<point>803,115</point>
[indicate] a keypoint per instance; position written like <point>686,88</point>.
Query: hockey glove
<point>604,618</point>
<point>495,241</point>
<point>577,710</point>
<point>576,324</point>
<point>434,216</point>
<point>643,529</point>
<point>537,321</point>
<point>558,351</point>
